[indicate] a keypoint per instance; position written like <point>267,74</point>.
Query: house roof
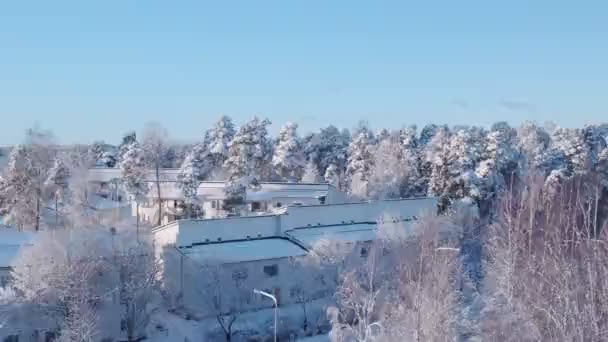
<point>242,251</point>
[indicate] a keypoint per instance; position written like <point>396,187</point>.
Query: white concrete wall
<point>298,217</point>
<point>207,289</point>
<point>200,231</point>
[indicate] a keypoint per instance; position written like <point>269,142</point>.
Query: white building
<point>262,252</point>
<point>267,197</point>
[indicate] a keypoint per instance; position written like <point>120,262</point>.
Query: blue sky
<point>92,70</point>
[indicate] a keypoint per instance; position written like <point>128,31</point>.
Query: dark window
<point>256,206</point>
<point>364,252</point>
<point>278,205</point>
<point>271,270</point>
<point>213,204</point>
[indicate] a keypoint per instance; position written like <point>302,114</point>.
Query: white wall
<point>199,231</point>
<point>298,217</point>
<point>206,289</point>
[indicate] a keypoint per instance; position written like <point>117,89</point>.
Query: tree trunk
<point>137,224</point>
<point>56,211</point>
<point>160,205</point>
<point>37,213</point>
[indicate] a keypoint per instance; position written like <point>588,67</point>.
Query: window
<point>271,270</point>
<point>278,205</point>
<point>213,204</point>
<point>255,206</point>
<point>364,252</point>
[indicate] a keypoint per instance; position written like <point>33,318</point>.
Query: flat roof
<point>343,233</point>
<point>243,251</point>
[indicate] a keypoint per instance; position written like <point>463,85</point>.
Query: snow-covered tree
<point>57,185</point>
<point>217,140</point>
<point>23,189</point>
<point>414,183</point>
<point>332,176</point>
<point>155,144</point>
<point>532,144</point>
<point>127,139</point>
<point>288,159</point>
<point>360,163</point>
<point>327,147</point>
<point>138,274</point>
<point>250,151</point>
<point>436,156</point>
<point>390,171</point>
<point>193,170</point>
<point>135,173</point>
<point>311,174</point>
<point>464,153</point>
<point>571,143</point>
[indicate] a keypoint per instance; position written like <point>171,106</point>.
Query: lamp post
<point>276,307</point>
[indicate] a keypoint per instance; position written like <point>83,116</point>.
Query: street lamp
<point>276,307</point>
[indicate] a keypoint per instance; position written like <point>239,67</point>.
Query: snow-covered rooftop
<point>343,233</point>
<point>240,251</point>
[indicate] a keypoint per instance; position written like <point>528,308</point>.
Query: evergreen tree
<point>193,170</point>
<point>332,176</point>
<point>327,147</point>
<point>135,173</point>
<point>288,159</point>
<point>250,151</point>
<point>311,175</point>
<point>360,163</point>
<point>217,141</point>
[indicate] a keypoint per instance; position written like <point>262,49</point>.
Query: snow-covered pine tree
<point>250,151</point>
<point>498,164</point>
<point>193,170</point>
<point>532,144</point>
<point>19,190</point>
<point>332,176</point>
<point>217,140</point>
<point>463,155</point>
<point>571,143</point>
<point>127,139</point>
<point>248,162</point>
<point>327,147</point>
<point>311,174</point>
<point>360,163</point>
<point>414,184</point>
<point>436,157</point>
<point>135,173</point>
<point>288,159</point>
<point>95,153</point>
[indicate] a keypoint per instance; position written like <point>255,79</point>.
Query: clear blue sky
<point>94,69</point>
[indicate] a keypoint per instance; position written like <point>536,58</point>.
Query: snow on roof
<point>241,251</point>
<point>101,203</point>
<point>342,233</point>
